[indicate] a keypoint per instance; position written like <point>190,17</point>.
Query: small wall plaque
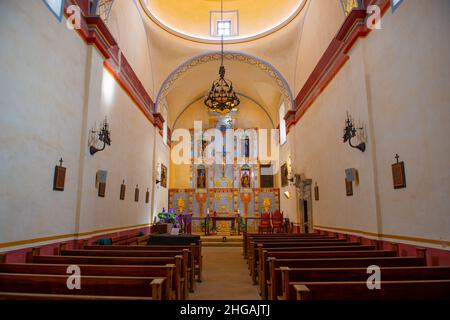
<point>316,192</point>
<point>147,197</point>
<point>123,188</point>
<point>349,188</point>
<point>101,189</point>
<point>398,174</point>
<point>100,181</point>
<point>59,178</point>
<point>136,194</point>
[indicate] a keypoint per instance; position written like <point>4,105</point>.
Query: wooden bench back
<point>166,271</point>
<point>90,285</point>
<point>390,290</point>
<point>283,276</point>
<point>264,269</point>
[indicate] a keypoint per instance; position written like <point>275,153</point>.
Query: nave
<point>312,134</point>
<point>283,266</point>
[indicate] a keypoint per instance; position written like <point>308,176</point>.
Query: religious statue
<point>245,180</point>
<point>201,179</point>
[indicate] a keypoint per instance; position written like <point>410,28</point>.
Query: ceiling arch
<point>251,76</point>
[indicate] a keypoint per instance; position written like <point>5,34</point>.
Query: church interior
<point>224,150</point>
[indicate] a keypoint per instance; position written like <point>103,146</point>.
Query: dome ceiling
<point>191,19</point>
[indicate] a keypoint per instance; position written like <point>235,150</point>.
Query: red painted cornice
<point>95,32</point>
<point>336,55</point>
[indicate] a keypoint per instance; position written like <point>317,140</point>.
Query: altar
<point>223,228</point>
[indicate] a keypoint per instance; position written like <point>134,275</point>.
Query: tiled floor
<point>225,276</point>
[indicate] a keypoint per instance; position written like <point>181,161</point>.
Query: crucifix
<point>61,162</point>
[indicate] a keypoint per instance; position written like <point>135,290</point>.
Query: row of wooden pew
<point>322,267</point>
<point>111,272</point>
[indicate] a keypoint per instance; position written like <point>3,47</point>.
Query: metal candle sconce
<point>103,135</point>
<point>350,132</point>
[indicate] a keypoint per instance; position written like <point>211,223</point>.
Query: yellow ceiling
<point>191,18</point>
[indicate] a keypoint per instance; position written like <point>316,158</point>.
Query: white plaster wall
<point>396,84</point>
<point>288,206</point>
<point>162,194</point>
<point>53,89</point>
<point>129,158</point>
<point>41,101</point>
<point>321,23</point>
<point>322,156</point>
<point>408,72</point>
<point>126,25</point>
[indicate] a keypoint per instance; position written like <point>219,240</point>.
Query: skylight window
<point>224,28</point>
<point>224,23</point>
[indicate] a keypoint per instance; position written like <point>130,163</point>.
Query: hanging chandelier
<point>222,98</point>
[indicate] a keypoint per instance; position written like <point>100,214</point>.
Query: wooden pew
<point>91,285</point>
<point>283,276</point>
<point>253,244</point>
<point>167,271</point>
<point>181,270</point>
<point>390,290</point>
<point>340,263</point>
<point>286,239</point>
<point>61,297</point>
<point>186,253</point>
<point>131,238</point>
<point>264,271</point>
<point>253,258</point>
<point>195,248</point>
<point>250,236</point>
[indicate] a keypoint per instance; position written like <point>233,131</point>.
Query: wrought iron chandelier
<point>222,98</point>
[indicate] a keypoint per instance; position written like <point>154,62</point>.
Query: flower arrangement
<point>167,217</point>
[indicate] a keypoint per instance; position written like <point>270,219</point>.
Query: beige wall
<point>41,103</point>
<point>287,155</point>
<point>407,74</point>
<point>127,27</point>
<point>321,23</point>
<point>54,88</point>
<point>396,86</point>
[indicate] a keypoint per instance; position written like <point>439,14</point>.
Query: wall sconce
<point>287,194</point>
<point>102,135</point>
<point>350,132</point>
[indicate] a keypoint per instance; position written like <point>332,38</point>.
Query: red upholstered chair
<point>277,221</point>
<point>264,223</point>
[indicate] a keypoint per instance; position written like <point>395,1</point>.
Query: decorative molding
<point>264,66</point>
<point>94,31</point>
<point>334,58</point>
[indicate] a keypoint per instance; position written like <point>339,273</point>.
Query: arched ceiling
<point>190,19</point>
<point>251,78</point>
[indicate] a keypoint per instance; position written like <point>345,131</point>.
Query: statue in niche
<point>201,178</point>
<point>245,178</point>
